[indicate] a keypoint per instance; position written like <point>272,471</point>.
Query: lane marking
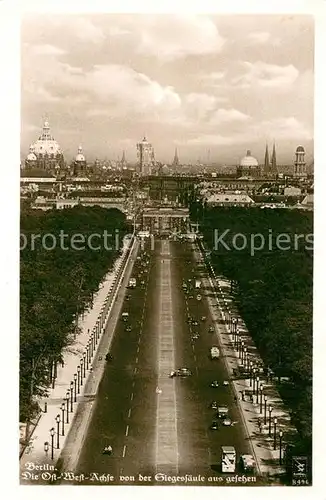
<point>135,370</point>
<point>138,349</point>
<point>136,359</point>
<point>127,430</point>
<point>132,396</point>
<point>129,412</point>
<point>124,451</point>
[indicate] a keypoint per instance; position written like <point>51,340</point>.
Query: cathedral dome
<point>46,143</point>
<point>248,160</point>
<point>300,149</point>
<point>80,157</point>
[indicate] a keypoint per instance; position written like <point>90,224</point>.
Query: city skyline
<point>211,86</point>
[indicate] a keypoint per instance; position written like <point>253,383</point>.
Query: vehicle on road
<point>214,425</point>
<point>203,318</point>
<point>225,382</point>
<point>226,421</point>
<point>198,296</point>
<point>214,384</point>
<point>125,316</point>
<point>228,459</point>
<point>183,372</point>
<point>195,336</point>
<point>132,283</point>
<point>108,357</point>
<point>211,329</point>
<point>191,296</point>
<point>128,328</point>
<point>222,411</point>
<point>247,463</point>
<point>197,284</point>
<point>214,405</point>
<point>215,352</point>
<point>194,322</point>
<point>107,450</point>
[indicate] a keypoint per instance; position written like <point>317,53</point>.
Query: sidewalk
<point>252,407</point>
<point>73,377</point>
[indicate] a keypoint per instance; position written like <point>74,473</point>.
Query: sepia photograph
<point>166,249</point>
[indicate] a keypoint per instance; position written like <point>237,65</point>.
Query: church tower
<point>266,163</point>
<point>273,162</point>
<point>175,162</point>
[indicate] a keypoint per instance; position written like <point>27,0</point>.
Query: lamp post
<point>275,422</point>
<point>52,441</point>
<point>58,420</point>
<point>245,354</point>
<point>84,363</point>
<point>242,352</point>
<point>75,384</point>
<point>67,410</point>
<point>257,385</point>
<point>81,361</point>
<point>250,373</point>
<point>265,404</point>
<point>71,395</point>
<point>270,409</point>
<point>46,447</point>
<point>87,356</point>
<point>78,379</point>
<point>261,387</point>
<point>63,419</point>
<point>254,380</point>
<point>281,438</point>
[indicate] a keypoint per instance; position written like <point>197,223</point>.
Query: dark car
<point>183,372</point>
<point>214,405</point>
<point>214,384</point>
<point>214,425</point>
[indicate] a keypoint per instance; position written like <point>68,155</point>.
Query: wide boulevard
<point>158,426</point>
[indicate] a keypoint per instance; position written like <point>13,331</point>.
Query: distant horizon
<point>212,86</point>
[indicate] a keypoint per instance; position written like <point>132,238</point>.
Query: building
<point>45,153</point>
<point>146,158</point>
<point>249,166</point>
<point>229,199</point>
<point>300,162</point>
<point>79,166</point>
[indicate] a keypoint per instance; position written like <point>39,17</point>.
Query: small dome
<point>248,160</point>
<point>300,149</point>
<point>31,156</point>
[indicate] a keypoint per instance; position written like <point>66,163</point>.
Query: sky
<point>211,86</point>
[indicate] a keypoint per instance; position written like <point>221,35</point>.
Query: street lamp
<point>265,403</point>
<point>281,438</point>
<point>58,420</point>
<point>84,363</point>
<point>270,409</point>
<point>87,356</point>
<point>67,401</point>
<point>242,352</point>
<point>78,378</point>
<point>257,384</point>
<point>75,383</point>
<point>63,419</point>
<point>52,441</point>
<point>250,372</point>
<point>261,387</point>
<point>275,422</point>
<point>46,447</point>
<point>71,395</point>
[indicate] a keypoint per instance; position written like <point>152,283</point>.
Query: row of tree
<point>57,282</point>
<point>274,292</point>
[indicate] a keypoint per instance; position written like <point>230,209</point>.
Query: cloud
<point>259,37</point>
<point>228,115</point>
<point>47,50</point>
<point>266,75</point>
<point>173,37</point>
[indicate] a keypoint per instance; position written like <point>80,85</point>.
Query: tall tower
<point>145,153</point>
<point>273,161</point>
<point>175,162</point>
<point>123,162</point>
<point>266,163</point>
<point>300,162</point>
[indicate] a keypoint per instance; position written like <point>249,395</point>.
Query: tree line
<point>55,286</point>
<point>274,294</point>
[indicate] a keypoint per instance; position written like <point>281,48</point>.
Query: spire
<point>273,162</point>
<point>266,162</point>
<point>123,159</point>
<point>175,159</point>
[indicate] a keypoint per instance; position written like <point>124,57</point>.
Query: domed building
<point>79,165</point>
<point>45,153</point>
<point>300,162</point>
<point>248,166</point>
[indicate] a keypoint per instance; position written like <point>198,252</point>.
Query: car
<point>214,383</point>
<point>191,296</point>
<point>227,421</point>
<point>203,318</point>
<point>128,328</point>
<point>214,425</point>
<point>195,323</point>
<point>198,297</point>
<point>195,336</point>
<point>225,382</point>
<point>183,372</point>
<point>214,405</point>
<point>247,463</point>
<point>189,320</point>
<point>211,329</point>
